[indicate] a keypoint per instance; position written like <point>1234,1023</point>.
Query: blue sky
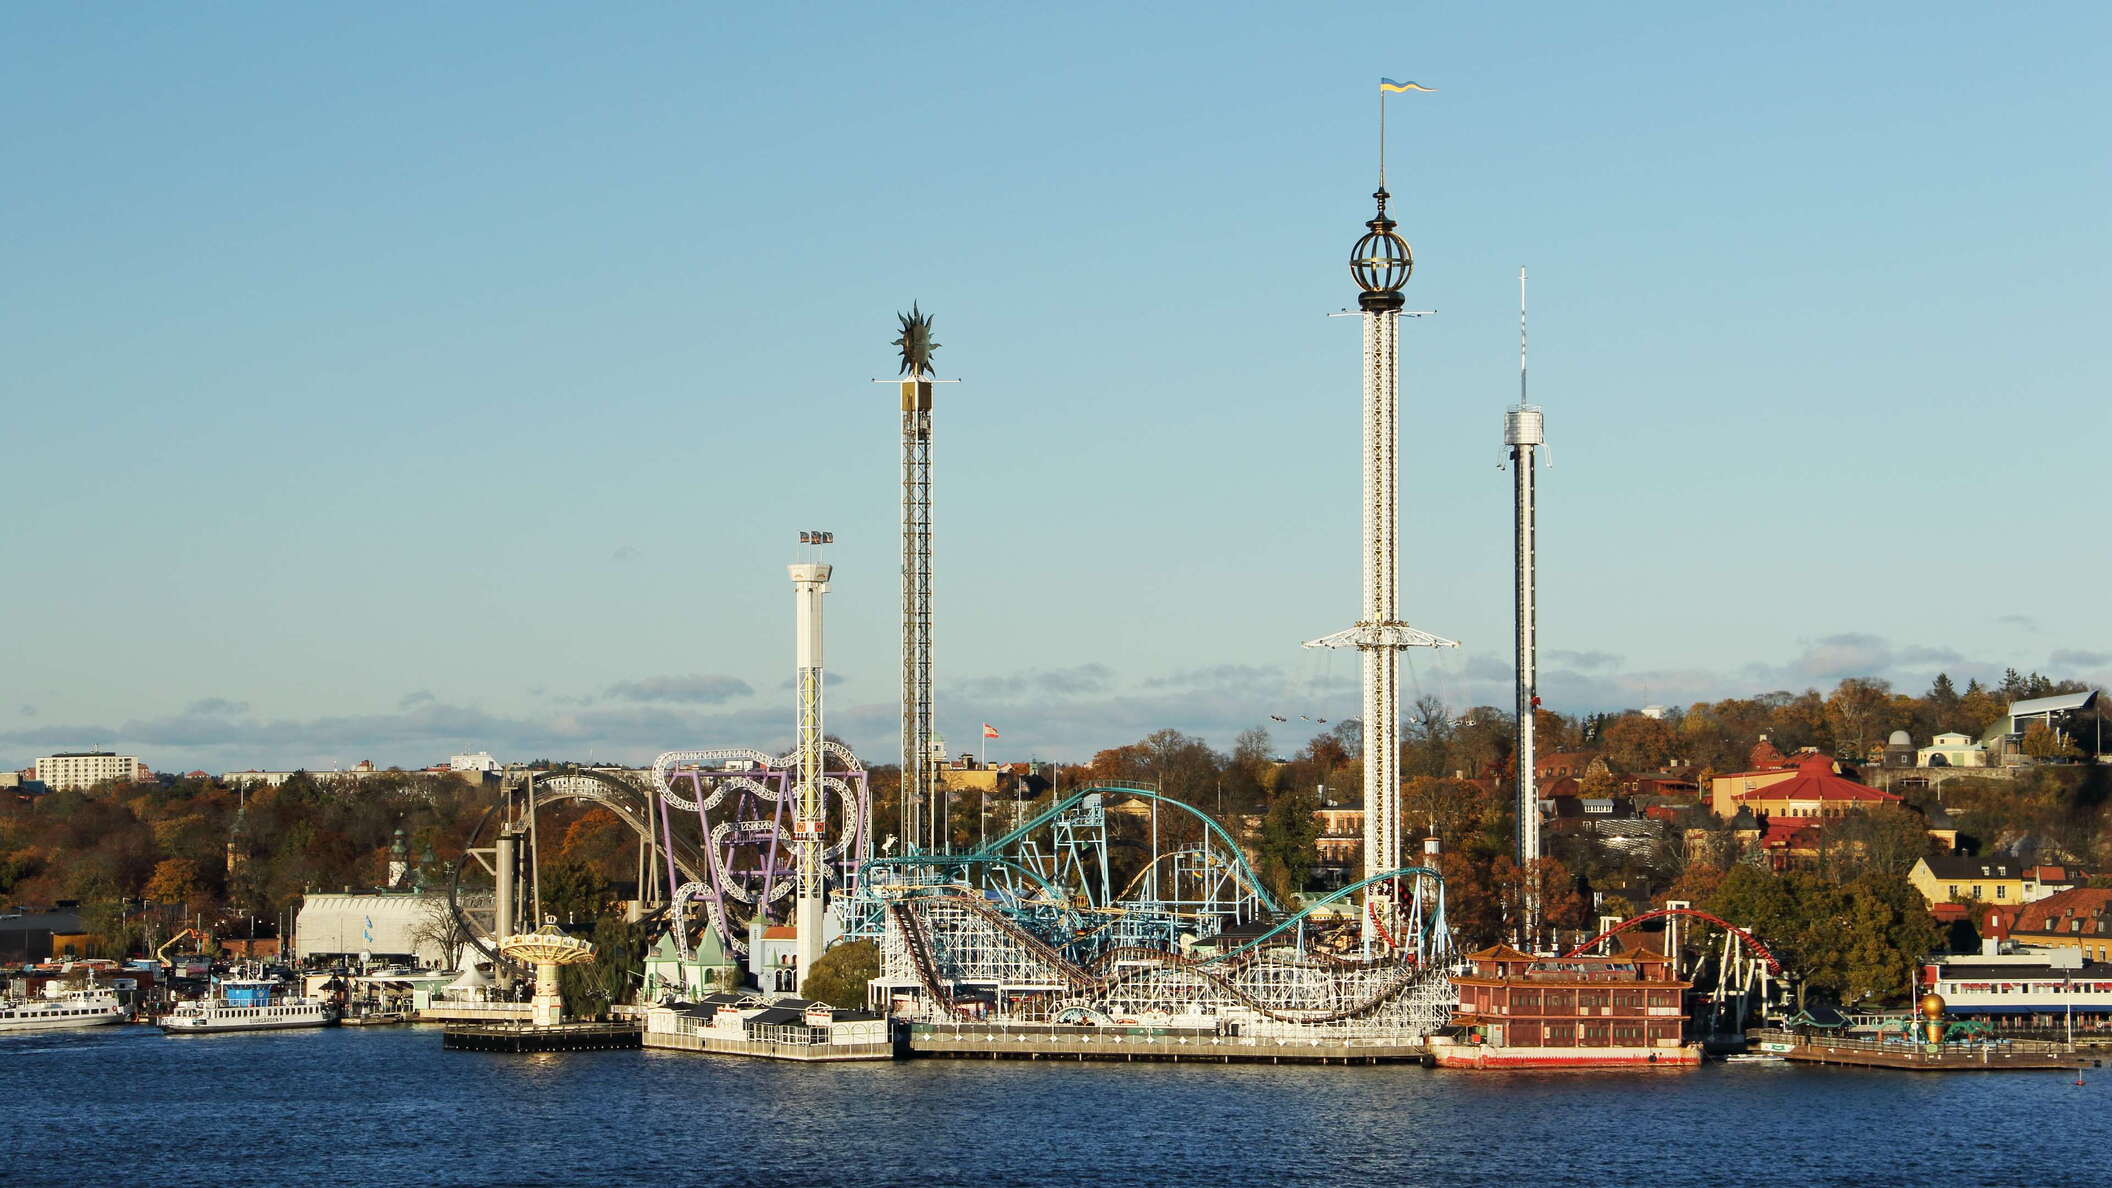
<point>384,382</point>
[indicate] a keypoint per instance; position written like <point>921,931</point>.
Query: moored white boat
<point>62,1008</point>
<point>247,1004</point>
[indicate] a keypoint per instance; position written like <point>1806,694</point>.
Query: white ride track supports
<point>1380,634</point>
<point>810,581</point>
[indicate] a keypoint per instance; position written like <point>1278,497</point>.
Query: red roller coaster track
<point>1773,966</point>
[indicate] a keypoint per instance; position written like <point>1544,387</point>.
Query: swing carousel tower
<point>1381,263</point>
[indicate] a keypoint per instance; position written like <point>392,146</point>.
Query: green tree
<point>839,976</point>
<point>1287,847</point>
<point>574,891</point>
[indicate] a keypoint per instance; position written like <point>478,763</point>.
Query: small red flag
<point>989,731</point>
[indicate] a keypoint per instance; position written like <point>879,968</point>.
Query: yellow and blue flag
<point>1387,84</point>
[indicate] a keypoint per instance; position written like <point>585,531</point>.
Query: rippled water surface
<point>387,1105</point>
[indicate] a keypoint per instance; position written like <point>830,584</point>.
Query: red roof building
<point>1765,757</point>
<point>1812,788</point>
<point>2077,919</point>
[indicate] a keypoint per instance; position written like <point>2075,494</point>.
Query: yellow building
<point>1812,789</point>
<point>1724,790</point>
<point>1951,878</point>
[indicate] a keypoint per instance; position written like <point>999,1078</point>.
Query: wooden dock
<point>1994,1056</point>
<point>524,1037</point>
<point>1059,1042</point>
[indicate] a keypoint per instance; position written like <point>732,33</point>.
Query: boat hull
<point>228,1028</point>
<point>1482,1056</point>
<point>14,1026</point>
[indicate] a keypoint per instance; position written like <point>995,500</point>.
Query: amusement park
<point>1110,919</point>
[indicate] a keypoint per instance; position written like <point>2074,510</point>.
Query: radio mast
<point>1524,430</point>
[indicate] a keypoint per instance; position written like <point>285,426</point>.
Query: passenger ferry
<point>60,1007</point>
<point>247,1004</point>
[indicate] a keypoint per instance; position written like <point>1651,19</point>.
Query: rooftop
<point>2080,911</point>
<point>1816,780</point>
<point>2058,703</point>
<point>1958,866</point>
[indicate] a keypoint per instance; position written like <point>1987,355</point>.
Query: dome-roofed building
<point>1899,750</point>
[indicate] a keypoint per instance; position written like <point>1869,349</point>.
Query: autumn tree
<point>1856,714</point>
<point>175,880</point>
<point>1978,709</point>
<point>2044,742</point>
<point>1638,743</point>
<point>1543,891</point>
<point>1886,839</point>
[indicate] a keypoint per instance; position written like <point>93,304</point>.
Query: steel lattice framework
<point>1381,262</point>
<point>1033,928</point>
<point>922,828</point>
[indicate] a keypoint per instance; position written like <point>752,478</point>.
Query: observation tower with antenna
<point>1381,263</point>
<point>1524,431</point>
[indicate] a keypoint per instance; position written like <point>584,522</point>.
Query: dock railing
<point>1955,1054</point>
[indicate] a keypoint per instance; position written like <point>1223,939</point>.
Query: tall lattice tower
<point>1381,263</point>
<point>1524,431</point>
<point>923,828</point>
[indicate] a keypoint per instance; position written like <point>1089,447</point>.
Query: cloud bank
<point>1068,712</point>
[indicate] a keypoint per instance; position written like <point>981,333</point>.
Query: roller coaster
<point>1119,904</point>
<point>1114,904</point>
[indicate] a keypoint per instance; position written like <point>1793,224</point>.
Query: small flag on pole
<point>989,731</point>
<point>1387,84</point>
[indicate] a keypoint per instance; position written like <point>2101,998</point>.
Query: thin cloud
<point>1580,661</point>
<point>2073,658</point>
<point>1076,681</point>
<point>419,697</point>
<point>687,690</point>
<point>1217,675</point>
<point>216,705</point>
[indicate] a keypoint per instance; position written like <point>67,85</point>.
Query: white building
<point>82,769</point>
<point>391,925</point>
<point>1951,750</point>
<point>2046,986</point>
<point>364,770</point>
<point>481,761</point>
